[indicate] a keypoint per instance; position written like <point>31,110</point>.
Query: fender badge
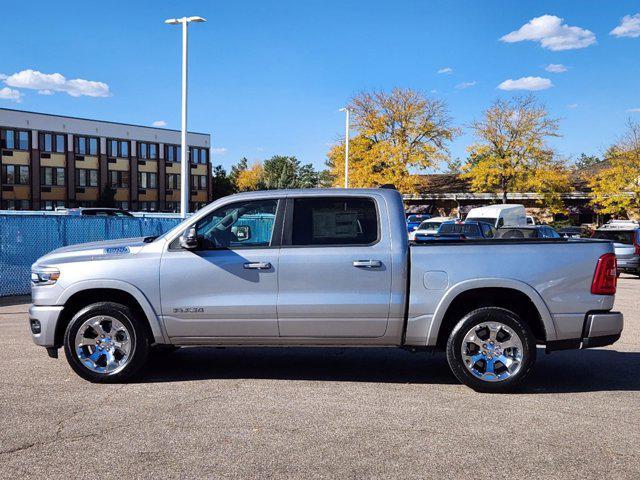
<point>116,250</point>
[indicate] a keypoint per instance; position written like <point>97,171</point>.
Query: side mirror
<point>189,239</point>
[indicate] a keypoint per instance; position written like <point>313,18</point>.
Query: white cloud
<point>55,82</point>
<point>629,27</point>
<point>446,70</point>
<point>552,34</point>
<point>556,68</point>
<point>2,76</point>
<point>463,85</point>
<point>159,123</point>
<point>634,110</point>
<point>7,93</point>
<point>526,83</point>
<point>433,91</point>
<point>219,151</point>
<point>572,105</point>
<point>45,92</point>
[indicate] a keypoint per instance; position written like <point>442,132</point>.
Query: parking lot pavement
<point>318,412</point>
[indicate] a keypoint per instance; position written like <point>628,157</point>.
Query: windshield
<point>516,233</point>
<point>429,225</point>
<point>415,218</point>
<point>459,229</point>
<point>620,236</point>
<point>490,221</point>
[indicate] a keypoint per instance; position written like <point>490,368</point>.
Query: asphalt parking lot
<point>320,413</point>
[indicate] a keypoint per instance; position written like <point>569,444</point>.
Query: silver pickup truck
<point>323,267</point>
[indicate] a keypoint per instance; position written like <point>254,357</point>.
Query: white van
<point>502,215</point>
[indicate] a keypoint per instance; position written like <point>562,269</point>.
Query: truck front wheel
<point>491,350</point>
<point>106,342</point>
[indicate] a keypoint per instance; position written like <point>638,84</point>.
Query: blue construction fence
<point>25,238</point>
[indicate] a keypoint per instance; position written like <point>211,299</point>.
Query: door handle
<point>257,265</point>
<point>367,263</point>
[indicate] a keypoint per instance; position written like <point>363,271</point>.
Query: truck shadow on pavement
<point>560,372</point>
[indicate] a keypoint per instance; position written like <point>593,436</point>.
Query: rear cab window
<point>333,221</point>
<point>617,236</point>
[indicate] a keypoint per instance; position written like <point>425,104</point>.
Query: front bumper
<point>47,316</point>
<point>599,329</point>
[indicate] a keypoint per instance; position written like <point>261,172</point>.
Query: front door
<point>228,286</point>
<point>335,269</point>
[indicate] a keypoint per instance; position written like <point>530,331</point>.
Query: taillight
<point>637,245</point>
<point>605,278</point>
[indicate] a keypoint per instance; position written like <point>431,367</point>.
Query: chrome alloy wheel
<point>104,345</point>
<point>492,351</point>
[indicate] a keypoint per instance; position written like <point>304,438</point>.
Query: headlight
<point>44,276</point>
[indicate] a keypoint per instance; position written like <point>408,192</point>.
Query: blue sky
<point>269,77</point>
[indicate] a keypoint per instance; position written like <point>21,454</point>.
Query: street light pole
<point>346,147</point>
<point>184,157</point>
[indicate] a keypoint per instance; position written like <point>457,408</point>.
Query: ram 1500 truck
<point>322,267</point>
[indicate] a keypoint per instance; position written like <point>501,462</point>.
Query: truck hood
<point>124,247</point>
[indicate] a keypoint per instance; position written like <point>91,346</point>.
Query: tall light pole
<point>184,157</point>
<point>346,147</point>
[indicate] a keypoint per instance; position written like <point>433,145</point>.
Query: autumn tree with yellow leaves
<point>616,189</point>
<point>395,133</point>
<point>511,153</point>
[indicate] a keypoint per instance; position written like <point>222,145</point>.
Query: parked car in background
<point>429,227</point>
<point>625,235</point>
<point>415,219</point>
<point>459,230</point>
<point>98,212</point>
<point>503,215</point>
<point>534,231</point>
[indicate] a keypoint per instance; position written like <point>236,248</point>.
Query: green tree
<point>221,183</point>
<point>586,161</point>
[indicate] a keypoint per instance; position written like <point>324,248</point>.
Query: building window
<point>15,174</point>
<point>86,178</point>
<point>147,151</point>
<point>148,206</point>
<point>52,142</point>
<point>122,205</point>
<point>86,145</point>
<point>171,207</point>
<point>147,180</point>
<point>14,139</point>
<point>199,182</point>
<point>173,181</point>
<point>118,148</point>
<point>16,205</point>
<point>118,179</point>
<point>53,204</point>
<point>198,155</point>
<point>52,176</point>
<point>172,153</point>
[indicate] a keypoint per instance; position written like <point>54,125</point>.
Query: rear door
<point>335,268</point>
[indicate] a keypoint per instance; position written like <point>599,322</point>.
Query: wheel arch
<point>511,294</point>
<point>82,294</point>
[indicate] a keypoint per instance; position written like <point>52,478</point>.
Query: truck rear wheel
<point>105,342</point>
<point>491,350</point>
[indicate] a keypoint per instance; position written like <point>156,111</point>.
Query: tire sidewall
<point>476,317</point>
<point>122,313</point>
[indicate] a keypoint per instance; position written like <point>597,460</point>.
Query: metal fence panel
<point>25,238</point>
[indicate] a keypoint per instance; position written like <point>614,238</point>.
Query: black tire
<point>476,317</point>
<point>140,344</point>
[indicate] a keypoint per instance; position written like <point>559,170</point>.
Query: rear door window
<point>334,221</point>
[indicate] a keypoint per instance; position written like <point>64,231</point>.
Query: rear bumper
<point>600,329</point>
<point>47,316</point>
<point>629,264</point>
